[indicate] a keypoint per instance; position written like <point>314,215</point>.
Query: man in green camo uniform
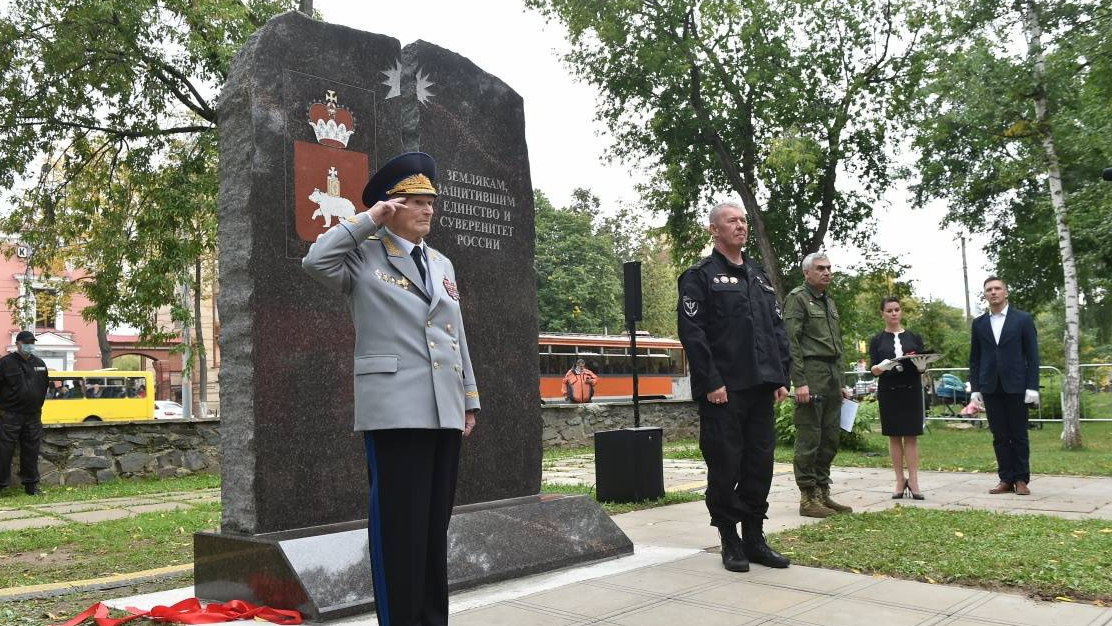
<point>816,349</point>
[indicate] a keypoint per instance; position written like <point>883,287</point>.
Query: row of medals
<point>726,279</point>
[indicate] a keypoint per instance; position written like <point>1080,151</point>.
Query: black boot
<point>733,557</point>
<point>754,547</point>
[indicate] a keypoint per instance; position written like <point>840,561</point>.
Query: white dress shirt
<point>408,246</point>
<point>996,320</point>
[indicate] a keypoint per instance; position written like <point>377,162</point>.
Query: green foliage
<point>730,96</point>
<point>981,147</point>
<point>579,287</point>
<point>579,257</point>
<point>115,100</point>
<point>856,440</point>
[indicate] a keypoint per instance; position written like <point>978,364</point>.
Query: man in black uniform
<point>23,383</point>
<point>733,331</point>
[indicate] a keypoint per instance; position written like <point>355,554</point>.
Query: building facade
<point>66,342</point>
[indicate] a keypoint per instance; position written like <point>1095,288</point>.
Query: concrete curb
<point>49,590</point>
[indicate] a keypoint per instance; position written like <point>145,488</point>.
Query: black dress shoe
<point>32,490</point>
<point>755,548</point>
<point>733,557</point>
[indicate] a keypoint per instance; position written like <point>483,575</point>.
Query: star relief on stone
<point>423,84</point>
<point>394,82</point>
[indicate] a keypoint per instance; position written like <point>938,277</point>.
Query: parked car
<point>165,409</point>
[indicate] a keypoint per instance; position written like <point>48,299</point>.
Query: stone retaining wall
<point>571,425</point>
<point>91,453</point>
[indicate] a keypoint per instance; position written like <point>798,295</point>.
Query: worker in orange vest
<point>579,383</point>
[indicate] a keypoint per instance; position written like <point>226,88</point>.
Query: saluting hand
<point>468,422</point>
<point>382,211</point>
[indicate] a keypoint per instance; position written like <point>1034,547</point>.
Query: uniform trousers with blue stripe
<point>412,476</point>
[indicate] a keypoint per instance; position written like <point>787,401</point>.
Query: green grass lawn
<point>1045,556</point>
<point>76,551</point>
<point>948,449</point>
<point>16,499</point>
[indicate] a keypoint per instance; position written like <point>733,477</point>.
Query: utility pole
<point>965,275</point>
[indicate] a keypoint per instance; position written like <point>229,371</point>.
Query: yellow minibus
<point>98,395</point>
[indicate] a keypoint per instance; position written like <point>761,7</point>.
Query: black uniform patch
<point>690,306</point>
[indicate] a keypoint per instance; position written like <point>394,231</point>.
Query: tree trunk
<point>735,177</point>
<point>105,347</point>
<point>1071,427</point>
<point>307,7</point>
<point>202,357</point>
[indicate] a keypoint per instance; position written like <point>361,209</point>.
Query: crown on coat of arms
<point>333,124</point>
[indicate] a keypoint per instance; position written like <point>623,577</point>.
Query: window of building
<point>46,308</point>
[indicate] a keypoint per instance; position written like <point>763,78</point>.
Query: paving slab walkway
<point>33,515</point>
<point>673,580</point>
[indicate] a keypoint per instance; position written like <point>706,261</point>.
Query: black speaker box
<point>632,284</point>
<point>629,464</point>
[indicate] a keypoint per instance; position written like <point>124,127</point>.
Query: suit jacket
<point>1014,362</point>
<point>412,366</point>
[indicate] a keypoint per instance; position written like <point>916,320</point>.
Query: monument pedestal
<point>325,571</point>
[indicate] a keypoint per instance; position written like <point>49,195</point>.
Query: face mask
<point>27,348</point>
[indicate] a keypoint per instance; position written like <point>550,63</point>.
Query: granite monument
<point>308,112</point>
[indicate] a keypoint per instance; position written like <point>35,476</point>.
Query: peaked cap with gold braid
<point>408,174</point>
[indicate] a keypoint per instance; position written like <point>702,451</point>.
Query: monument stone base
<point>325,571</point>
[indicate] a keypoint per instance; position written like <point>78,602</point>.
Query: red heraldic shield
<point>328,186</point>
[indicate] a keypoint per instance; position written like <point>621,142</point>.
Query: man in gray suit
<point>415,390</point>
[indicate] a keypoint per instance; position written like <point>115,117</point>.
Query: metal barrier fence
<point>944,400</point>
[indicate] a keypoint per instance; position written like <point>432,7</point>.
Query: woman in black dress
<point>900,395</point>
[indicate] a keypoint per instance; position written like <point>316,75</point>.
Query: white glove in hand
<point>978,398</point>
<point>886,364</point>
<point>1031,397</point>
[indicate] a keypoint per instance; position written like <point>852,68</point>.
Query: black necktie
<point>416,254</point>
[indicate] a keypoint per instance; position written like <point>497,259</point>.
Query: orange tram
<point>661,366</point>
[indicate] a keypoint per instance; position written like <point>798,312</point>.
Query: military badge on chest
<point>723,279</point>
<point>402,282</point>
<point>451,288</point>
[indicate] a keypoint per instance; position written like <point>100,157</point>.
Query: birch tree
<point>1005,128</point>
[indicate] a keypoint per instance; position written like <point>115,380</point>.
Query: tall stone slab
<point>290,457</point>
<point>308,112</point>
<point>474,125</point>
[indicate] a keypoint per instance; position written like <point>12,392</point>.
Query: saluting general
<point>415,391</point>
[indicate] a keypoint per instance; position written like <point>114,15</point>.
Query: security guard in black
<point>732,329</point>
<point>23,384</point>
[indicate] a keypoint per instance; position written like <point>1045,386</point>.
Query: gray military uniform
<point>412,367</point>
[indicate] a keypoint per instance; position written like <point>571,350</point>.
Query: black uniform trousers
<point>1007,419</point>
<point>737,440</point>
<point>412,475</point>
<point>24,429</point>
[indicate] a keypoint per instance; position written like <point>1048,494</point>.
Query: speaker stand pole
<point>633,360</point>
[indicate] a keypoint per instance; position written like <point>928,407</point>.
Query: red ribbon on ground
<point>190,612</point>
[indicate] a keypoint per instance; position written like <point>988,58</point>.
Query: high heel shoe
<point>912,494</point>
<point>900,495</point>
